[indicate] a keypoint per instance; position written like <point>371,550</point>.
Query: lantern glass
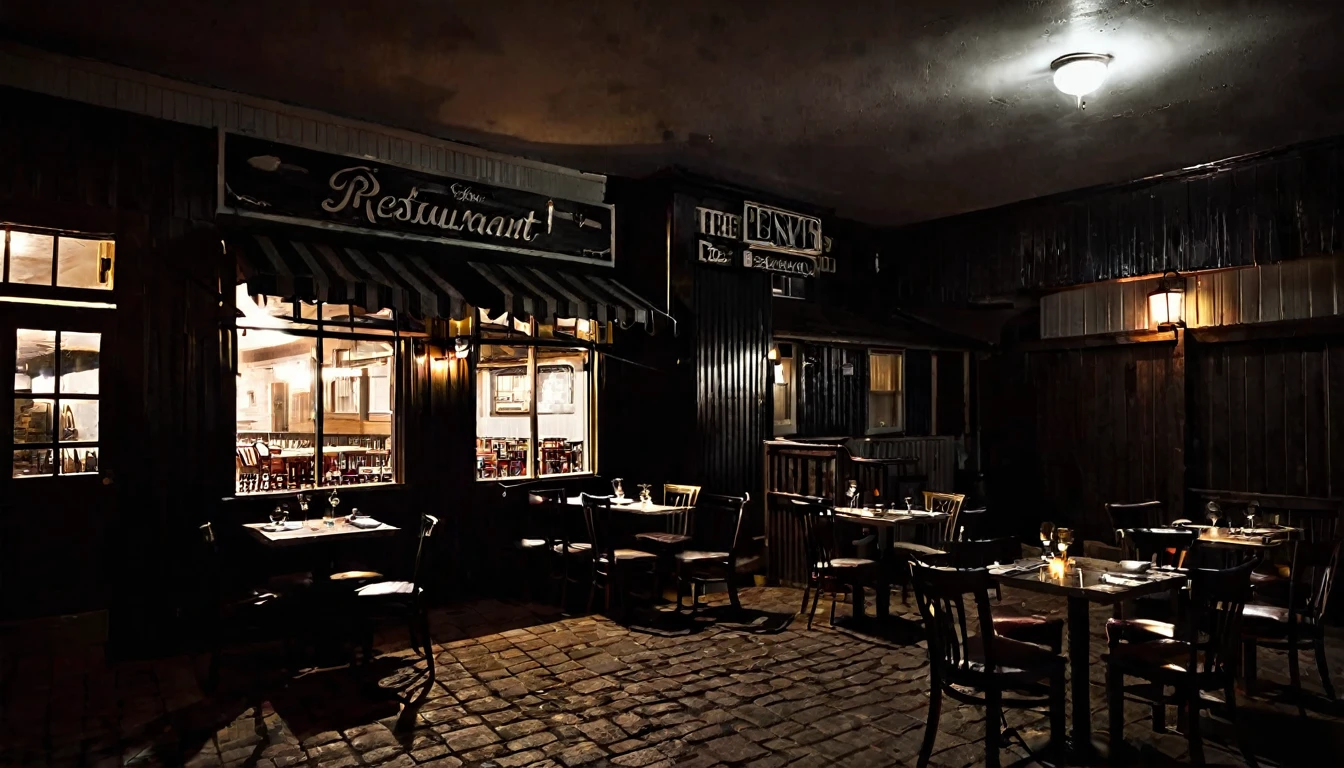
<point>1166,307</point>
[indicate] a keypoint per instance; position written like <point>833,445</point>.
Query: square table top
<point>342,530</point>
<point>1224,537</point>
<point>889,517</point>
<point>1084,580</point>
<point>634,507</point>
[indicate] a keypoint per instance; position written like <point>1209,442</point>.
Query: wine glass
<point>302,498</point>
<point>333,502</point>
<point>1212,512</point>
<point>644,497</point>
<point>908,507</point>
<point>278,516</point>
<point>1047,540</point>
<point>1252,510</point>
<point>617,488</point>
<point>1065,538</point>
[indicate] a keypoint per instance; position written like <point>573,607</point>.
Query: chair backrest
<point>949,504</point>
<point>941,593</point>
<point>1162,546</point>
<point>816,518</point>
<point>545,507</point>
<point>718,522</point>
<point>1314,566</point>
<point>427,523</point>
<point>263,450</point>
<point>981,553</point>
<point>1145,514</point>
<point>597,515</point>
<point>1216,598</point>
<point>684,496</point>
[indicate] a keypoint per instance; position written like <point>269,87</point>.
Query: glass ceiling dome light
<point>1079,74</point>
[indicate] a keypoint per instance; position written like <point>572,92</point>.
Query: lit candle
<point>1056,568</point>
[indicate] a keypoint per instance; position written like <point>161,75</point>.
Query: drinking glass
<point>1047,540</point>
<point>1251,512</point>
<point>908,508</point>
<point>278,516</point>
<point>644,496</point>
<point>333,502</point>
<point>617,489</point>
<point>302,498</point>
<point>1212,512</point>
<point>1065,538</point>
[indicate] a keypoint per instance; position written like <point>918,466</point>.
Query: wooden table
<point>634,507</point>
<point>887,519</point>
<point>342,531</point>
<point>1083,585</point>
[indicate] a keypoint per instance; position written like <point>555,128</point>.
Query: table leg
<point>1080,637</point>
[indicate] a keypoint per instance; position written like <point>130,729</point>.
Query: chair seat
<point>356,575</point>
<point>624,555</point>
<point>289,582</point>
<point>1028,628</point>
<point>1138,631</point>
<point>531,543</point>
<point>574,547</point>
<point>1259,613</point>
<point>663,539</point>
<point>911,548</point>
<point>1013,658</point>
<point>1155,656</point>
<point>385,588</point>
<point>695,555</point>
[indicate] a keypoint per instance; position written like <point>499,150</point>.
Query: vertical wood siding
<point>831,403</point>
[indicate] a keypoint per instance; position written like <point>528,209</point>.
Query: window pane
<point>358,378</point>
<point>503,412</point>
<point>882,373</point>
<point>84,263</point>
<point>562,410</point>
<point>882,412</point>
<point>79,421</point>
<point>79,362</point>
<point>275,411</point>
<point>32,462</point>
<point>30,258</point>
<point>33,420</point>
<point>79,460</point>
<point>35,361</point>
<point>783,399</point>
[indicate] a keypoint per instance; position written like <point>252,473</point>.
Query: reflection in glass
<point>79,362</point>
<point>503,413</point>
<point>275,411</point>
<point>30,258</point>
<point>562,410</point>
<point>35,361</point>
<point>83,459</point>
<point>29,462</point>
<point>79,421</point>
<point>33,420</point>
<point>84,263</point>
<point>357,381</point>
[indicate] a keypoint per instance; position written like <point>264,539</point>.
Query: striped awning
<point>426,284</point>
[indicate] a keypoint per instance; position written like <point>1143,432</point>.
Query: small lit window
<point>788,287</point>
<point>55,260</point>
<point>784,395</point>
<point>56,414</point>
<point>886,392</point>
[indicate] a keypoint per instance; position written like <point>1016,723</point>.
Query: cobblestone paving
<point>519,685</point>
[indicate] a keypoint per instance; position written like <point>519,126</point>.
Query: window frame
<point>899,392</point>
<point>789,283</point>
<point>319,329</point>
<point>54,289</point>
<point>533,336</point>
<point>789,426</point>
<point>56,445</point>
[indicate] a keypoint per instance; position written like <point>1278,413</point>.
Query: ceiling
<point>888,112</point>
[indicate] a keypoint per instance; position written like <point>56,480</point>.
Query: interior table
<point>890,520</point>
<point>634,507</point>
<point>343,530</point>
<point>1087,581</point>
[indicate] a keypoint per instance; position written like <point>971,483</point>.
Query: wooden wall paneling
<point>1217,379</point>
<point>1334,423</point>
<point>1320,286</point>
<point>1276,468</point>
<point>1248,293</point>
<point>1315,442</point>
<point>1295,423</point>
<point>1257,448</point>
<point>1235,417</point>
<point>918,392</point>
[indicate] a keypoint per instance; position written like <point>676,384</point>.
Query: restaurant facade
<point>216,303</point>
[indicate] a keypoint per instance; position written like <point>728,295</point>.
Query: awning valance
<point>375,276</point>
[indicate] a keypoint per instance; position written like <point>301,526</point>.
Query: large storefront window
<point>533,411</point>
<point>309,375</point>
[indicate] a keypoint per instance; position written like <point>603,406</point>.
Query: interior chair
<point>677,536</point>
<point>1144,514</point>
<point>1190,658</point>
<point>1299,625</point>
<point>938,540</point>
<point>711,555</point>
<point>1009,621</point>
<point>400,599</point>
<point>826,569</point>
<point>615,569</point>
<point>986,668</point>
<point>249,468</point>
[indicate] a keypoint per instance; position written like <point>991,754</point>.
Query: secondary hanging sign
<point>265,179</point>
<point>785,263</point>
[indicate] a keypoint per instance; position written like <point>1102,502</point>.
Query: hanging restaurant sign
<point>789,264</point>
<point>710,253</point>
<point>781,230</point>
<point>264,179</point>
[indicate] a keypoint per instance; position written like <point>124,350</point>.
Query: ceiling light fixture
<point>1079,74</point>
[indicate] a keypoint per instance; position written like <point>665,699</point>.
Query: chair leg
<point>732,589</point>
<point>1294,670</point>
<point>1193,732</point>
<point>806,588</point>
<point>1058,727</point>
<point>1230,696</point>
<point>835,597</point>
<point>1115,706</point>
<point>816,594</point>
<point>1249,651</point>
<point>993,726</point>
<point>1323,668</point>
<point>931,726</point>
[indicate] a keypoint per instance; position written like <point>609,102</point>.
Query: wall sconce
<point>1166,305</point>
<point>462,348</point>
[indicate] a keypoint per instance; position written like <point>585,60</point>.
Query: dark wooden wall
<point>1258,210</point>
<point>830,403</point>
<point>1268,416</point>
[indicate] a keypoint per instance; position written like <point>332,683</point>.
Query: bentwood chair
<point>1197,655</point>
<point>939,541</point>
<point>825,568</point>
<point>1144,514</point>
<point>614,568</point>
<point>1299,625</point>
<point>986,668</point>
<point>677,536</point>
<point>541,521</point>
<point>228,611</point>
<point>1009,621</point>
<point>711,555</point>
<point>403,599</point>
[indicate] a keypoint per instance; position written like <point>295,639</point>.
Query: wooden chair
<point>1145,514</point>
<point>539,530</point>
<point>1196,656</point>
<point>667,543</point>
<point>229,611</point>
<point>711,555</point>
<point>1009,622</point>
<point>986,668</point>
<point>403,599</point>
<point>571,548</point>
<point>826,568</point>
<point>938,541</point>
<point>613,566</point>
<point>1300,625</point>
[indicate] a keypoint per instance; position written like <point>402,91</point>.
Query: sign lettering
<point>714,254</point>
<point>781,230</point>
<point>719,223</point>
<point>799,266</point>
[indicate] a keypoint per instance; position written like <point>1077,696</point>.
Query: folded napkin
<point>1123,581</point>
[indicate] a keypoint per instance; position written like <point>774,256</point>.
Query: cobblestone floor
<point>519,685</point>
